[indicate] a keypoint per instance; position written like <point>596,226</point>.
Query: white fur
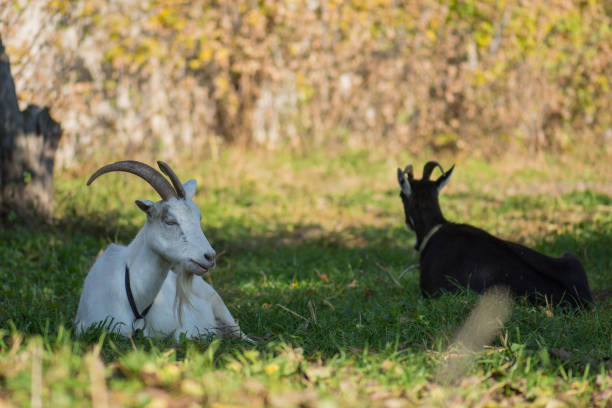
<point>158,248</point>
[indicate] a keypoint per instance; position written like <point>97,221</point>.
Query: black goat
<point>453,255</point>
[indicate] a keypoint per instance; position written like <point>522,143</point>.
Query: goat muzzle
<point>201,269</point>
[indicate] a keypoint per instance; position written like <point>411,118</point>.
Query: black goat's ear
<point>404,182</point>
<point>443,179</point>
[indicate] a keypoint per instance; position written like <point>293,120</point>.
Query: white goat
<point>130,287</point>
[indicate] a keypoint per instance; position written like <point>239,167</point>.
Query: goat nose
<point>210,257</point>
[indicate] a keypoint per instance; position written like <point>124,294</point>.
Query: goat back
<point>460,255</point>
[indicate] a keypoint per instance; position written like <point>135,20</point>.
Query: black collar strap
<point>137,315</point>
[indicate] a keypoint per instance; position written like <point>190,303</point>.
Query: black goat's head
<point>420,197</point>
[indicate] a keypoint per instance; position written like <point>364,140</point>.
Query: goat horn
<point>178,186</point>
<point>429,167</point>
<point>144,171</point>
<point>408,171</point>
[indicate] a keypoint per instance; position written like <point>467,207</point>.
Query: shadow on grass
<point>327,292</point>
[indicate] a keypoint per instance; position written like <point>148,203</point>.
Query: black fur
<point>460,255</point>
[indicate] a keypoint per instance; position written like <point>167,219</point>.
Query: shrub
<point>462,74</point>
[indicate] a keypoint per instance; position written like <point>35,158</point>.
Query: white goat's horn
<point>144,171</point>
<point>178,186</point>
<point>429,168</point>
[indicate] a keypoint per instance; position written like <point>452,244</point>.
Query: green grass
<point>303,241</point>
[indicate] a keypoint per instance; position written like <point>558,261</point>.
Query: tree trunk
<point>28,142</point>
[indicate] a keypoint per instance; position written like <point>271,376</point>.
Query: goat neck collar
<point>138,317</point>
<point>428,236</point>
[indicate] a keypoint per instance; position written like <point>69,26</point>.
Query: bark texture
<point>28,142</point>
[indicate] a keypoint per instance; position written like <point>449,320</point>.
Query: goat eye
<point>171,223</point>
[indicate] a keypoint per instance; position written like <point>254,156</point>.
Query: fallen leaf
<point>322,276</point>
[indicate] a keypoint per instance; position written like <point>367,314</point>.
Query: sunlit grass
<point>304,241</point>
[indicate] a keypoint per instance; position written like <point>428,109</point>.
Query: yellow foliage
<point>206,53</point>
<point>433,73</point>
<point>271,368</point>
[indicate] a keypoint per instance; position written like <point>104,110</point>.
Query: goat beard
<point>184,289</point>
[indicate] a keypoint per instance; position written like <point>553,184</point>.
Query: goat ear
<point>441,182</point>
<point>403,182</point>
<point>144,205</point>
<point>190,188</point>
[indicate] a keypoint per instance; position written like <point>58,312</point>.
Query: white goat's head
<point>172,229</point>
